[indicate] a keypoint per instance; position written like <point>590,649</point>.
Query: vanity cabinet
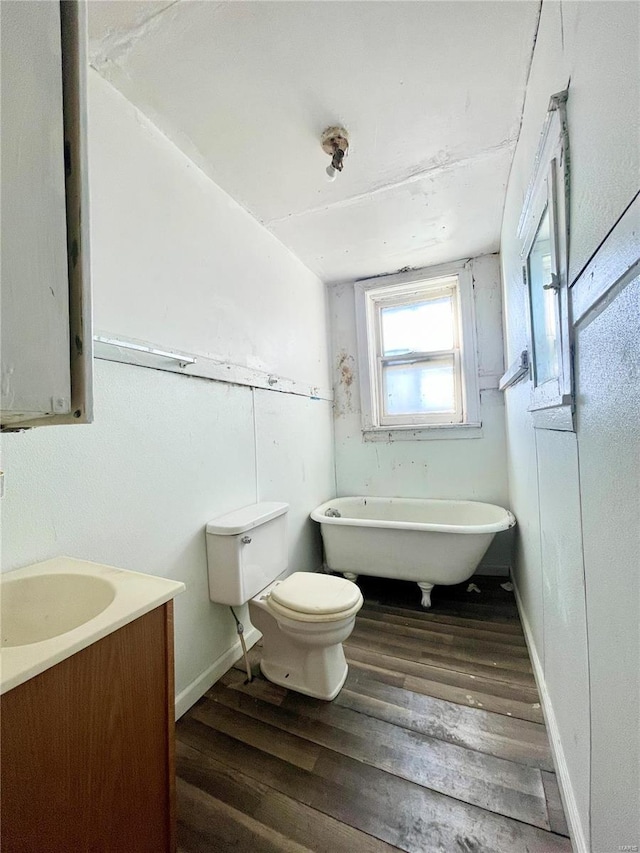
<point>46,340</point>
<point>88,760</point>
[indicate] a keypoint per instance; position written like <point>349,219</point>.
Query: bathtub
<point>427,541</point>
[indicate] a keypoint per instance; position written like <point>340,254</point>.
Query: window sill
<point>423,433</point>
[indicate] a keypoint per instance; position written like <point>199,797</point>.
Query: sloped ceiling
<point>431,94</point>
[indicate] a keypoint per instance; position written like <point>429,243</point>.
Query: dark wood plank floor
<point>435,744</point>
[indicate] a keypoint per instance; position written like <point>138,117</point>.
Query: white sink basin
<point>38,608</point>
<point>51,610</point>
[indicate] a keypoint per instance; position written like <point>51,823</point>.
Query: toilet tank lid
<point>246,518</point>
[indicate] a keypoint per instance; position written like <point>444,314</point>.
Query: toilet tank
<point>246,551</point>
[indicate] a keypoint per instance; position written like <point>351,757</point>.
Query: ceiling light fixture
<point>335,143</point>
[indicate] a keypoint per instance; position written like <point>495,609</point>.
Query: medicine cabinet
<point>46,340</point>
<point>544,242</point>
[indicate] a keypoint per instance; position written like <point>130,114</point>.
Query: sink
<point>54,609</point>
<point>41,607</point>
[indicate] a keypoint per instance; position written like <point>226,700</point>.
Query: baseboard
<point>190,695</point>
<point>564,781</point>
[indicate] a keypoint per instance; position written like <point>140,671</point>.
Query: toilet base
<point>307,658</point>
<point>283,676</point>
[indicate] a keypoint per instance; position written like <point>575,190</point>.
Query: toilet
<point>304,618</point>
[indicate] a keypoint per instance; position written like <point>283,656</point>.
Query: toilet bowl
<point>302,639</point>
<point>304,618</point>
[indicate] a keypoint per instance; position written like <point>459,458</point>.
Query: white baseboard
<point>190,695</point>
<point>564,781</point>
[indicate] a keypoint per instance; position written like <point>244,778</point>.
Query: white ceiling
<point>430,92</point>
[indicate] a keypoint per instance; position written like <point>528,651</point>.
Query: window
<point>543,234</point>
<point>416,338</point>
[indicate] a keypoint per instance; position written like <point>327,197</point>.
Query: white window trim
<point>402,284</point>
<point>552,402</point>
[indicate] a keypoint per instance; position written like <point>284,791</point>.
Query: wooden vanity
<point>87,758</point>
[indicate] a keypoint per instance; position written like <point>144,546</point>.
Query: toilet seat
<point>309,597</point>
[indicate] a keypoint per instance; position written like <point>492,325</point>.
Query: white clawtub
<point>427,541</point>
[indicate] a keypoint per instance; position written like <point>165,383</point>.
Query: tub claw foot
<point>425,589</point>
<point>350,576</point>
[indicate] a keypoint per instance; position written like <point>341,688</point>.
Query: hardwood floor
<point>436,743</point>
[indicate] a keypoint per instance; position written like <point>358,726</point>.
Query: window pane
<point>418,389</point>
<point>421,327</point>
<point>544,306</point>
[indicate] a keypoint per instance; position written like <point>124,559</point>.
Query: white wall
<point>177,262</point>
<point>595,46</point>
<point>609,441</point>
<point>465,468</point>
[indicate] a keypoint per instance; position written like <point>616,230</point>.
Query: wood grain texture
<point>476,645</point>
<point>450,619</point>
<point>495,666</point>
<point>464,688</point>
<point>86,761</point>
<point>404,758</point>
<point>170,737</point>
<point>275,811</point>
<point>513,739</point>
<point>442,631</point>
<point>380,804</point>
<point>495,784</point>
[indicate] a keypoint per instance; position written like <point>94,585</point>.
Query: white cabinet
<point>46,340</point>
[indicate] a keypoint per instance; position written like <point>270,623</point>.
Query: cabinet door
<point>88,761</point>
<point>40,301</point>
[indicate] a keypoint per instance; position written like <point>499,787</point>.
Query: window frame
<point>552,401</point>
<point>371,296</point>
<point>416,294</point>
